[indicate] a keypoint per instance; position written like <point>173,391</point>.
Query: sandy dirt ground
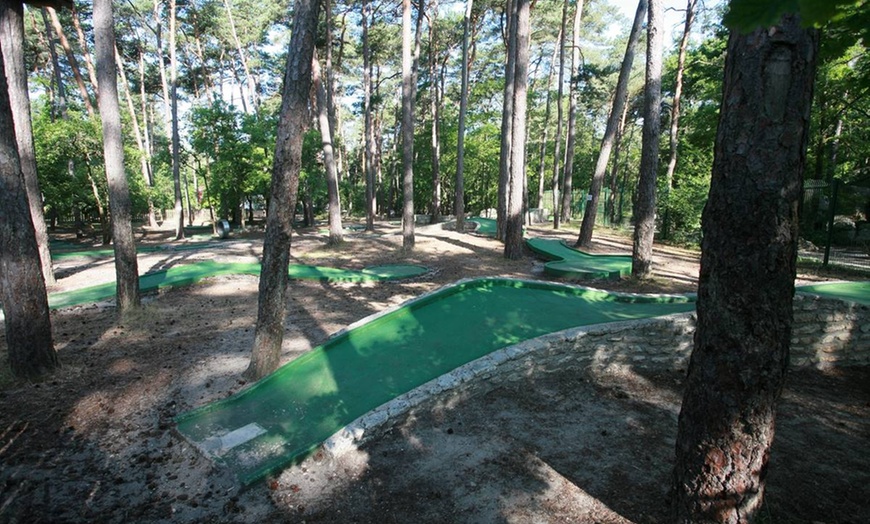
<point>94,442</point>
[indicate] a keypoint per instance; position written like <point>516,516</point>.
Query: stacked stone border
<point>826,333</point>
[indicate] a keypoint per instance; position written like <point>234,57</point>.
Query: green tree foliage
<point>238,149</point>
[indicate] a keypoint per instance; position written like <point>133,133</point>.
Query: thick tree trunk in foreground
<point>645,203</point>
<point>619,101</point>
<point>747,276</point>
<point>12,33</point>
<point>126,265</point>
<point>22,289</point>
<point>336,234</point>
<point>292,123</point>
<point>513,238</point>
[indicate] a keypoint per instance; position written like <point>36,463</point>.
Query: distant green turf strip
<point>190,273</point>
<point>572,263</point>
<point>292,411</point>
<point>852,291</point>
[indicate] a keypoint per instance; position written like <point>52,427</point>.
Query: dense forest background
<point>230,58</point>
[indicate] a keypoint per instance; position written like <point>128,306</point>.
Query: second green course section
<point>288,414</point>
<point>190,273</point>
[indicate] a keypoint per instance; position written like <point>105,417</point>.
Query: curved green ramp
<point>190,273</point>
<point>572,263</point>
<point>852,291</point>
<point>485,226</point>
<point>285,416</point>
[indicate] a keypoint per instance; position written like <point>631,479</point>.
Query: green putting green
<point>852,291</point>
<point>190,273</point>
<point>485,226</point>
<point>568,262</point>
<point>285,416</point>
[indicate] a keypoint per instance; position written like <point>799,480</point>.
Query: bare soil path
<point>94,442</point>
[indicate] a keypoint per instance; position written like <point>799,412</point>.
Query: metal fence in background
<point>835,223</point>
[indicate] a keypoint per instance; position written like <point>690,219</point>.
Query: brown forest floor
<point>93,443</point>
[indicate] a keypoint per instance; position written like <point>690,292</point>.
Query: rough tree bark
<point>459,197</point>
<point>293,120</point>
<point>12,40</point>
<point>645,202</point>
<point>619,100</point>
<point>126,265</point>
<point>22,289</point>
<point>513,239</point>
<point>335,229</point>
<point>746,283</point>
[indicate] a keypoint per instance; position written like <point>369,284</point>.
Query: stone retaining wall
<point>825,333</point>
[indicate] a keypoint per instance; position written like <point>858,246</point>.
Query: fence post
<point>833,211</point>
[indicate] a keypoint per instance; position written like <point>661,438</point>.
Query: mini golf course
<point>285,416</point>
<point>571,263</point>
<point>191,273</point>
<point>858,292</point>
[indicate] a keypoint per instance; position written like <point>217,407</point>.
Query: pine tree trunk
<point>71,59</point>
<point>513,241</point>
<point>176,139</point>
<point>557,140</point>
<point>368,127</point>
<point>675,114</point>
<point>126,265</point>
<point>619,100</point>
<point>12,32</point>
<point>137,133</point>
<point>504,165</point>
<point>459,196</point>
<point>573,93</point>
<point>435,108</point>
<point>22,289</point>
<point>335,229</point>
<point>543,153</point>
<point>746,284</point>
<point>410,50</point>
<point>292,123</point>
<point>645,203</point>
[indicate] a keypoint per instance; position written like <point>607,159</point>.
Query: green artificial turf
<point>190,273</point>
<point>306,401</point>
<point>572,263</point>
<point>485,226</point>
<point>851,291</point>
